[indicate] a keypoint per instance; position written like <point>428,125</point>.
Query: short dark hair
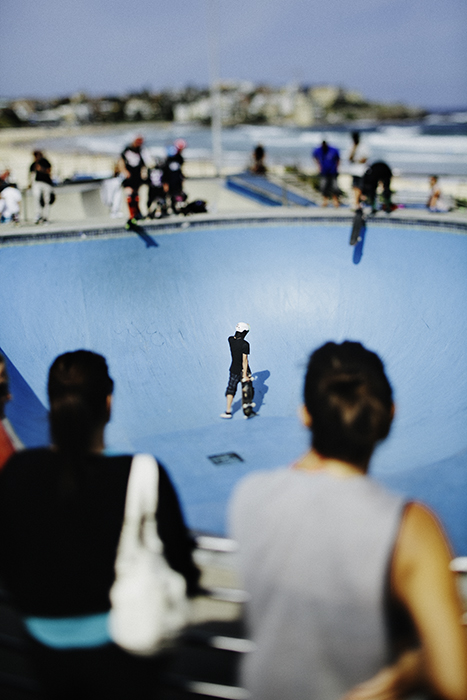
<point>349,398</point>
<point>78,386</point>
<point>241,334</point>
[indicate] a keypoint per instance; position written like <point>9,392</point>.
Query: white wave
<point>419,144</point>
<point>394,131</point>
<point>458,118</point>
<point>430,158</point>
<point>261,131</point>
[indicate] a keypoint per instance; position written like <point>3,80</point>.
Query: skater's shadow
<point>261,389</point>
<point>149,240</point>
<point>358,249</point>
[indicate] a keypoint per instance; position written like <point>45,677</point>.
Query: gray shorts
<point>328,185</point>
<point>234,379</point>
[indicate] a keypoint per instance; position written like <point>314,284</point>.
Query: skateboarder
<point>239,368</point>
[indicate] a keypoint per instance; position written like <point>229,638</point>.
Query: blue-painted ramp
<point>161,315</point>
<point>265,191</point>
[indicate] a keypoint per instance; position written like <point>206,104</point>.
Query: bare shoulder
<point>422,555</point>
<point>422,534</point>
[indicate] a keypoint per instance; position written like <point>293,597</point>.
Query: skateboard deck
<point>247,398</point>
<point>357,225</point>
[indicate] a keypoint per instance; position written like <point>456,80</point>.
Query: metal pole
<point>215,94</point>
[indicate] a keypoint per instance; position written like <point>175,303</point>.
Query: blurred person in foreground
<point>61,514</point>
<point>9,441</point>
<point>351,592</point>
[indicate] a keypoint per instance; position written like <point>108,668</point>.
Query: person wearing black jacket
<point>172,175</point>
<point>61,515</point>
<point>40,179</point>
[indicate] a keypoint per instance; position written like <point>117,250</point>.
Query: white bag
<point>148,598</point>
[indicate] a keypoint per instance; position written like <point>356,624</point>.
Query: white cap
<point>240,327</point>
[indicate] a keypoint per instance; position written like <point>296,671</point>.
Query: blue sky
<point>412,51</point>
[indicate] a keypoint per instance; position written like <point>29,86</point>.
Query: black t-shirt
<point>58,548</point>
<point>134,161</point>
<point>172,173</point>
<point>42,169</point>
<point>238,348</point>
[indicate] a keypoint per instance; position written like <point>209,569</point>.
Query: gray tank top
<point>314,555</point>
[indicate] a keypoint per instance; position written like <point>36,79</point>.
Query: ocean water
<point>435,146</point>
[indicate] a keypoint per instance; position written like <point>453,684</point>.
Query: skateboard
<point>247,398</point>
<point>357,225</point>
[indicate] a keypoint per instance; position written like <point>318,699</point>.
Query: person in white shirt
<point>436,200</point>
<point>358,163</point>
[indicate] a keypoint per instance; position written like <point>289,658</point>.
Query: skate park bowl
<point>160,307</point>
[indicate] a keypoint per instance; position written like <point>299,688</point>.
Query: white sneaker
<point>226,415</point>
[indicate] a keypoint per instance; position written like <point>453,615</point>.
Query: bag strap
<point>139,523</point>
<point>142,489</point>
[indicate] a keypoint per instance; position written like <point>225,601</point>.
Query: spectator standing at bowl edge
<point>351,593</point>
<point>134,163</point>
<point>327,158</point>
<point>61,514</point>
<point>40,180</point>
<point>358,164</point>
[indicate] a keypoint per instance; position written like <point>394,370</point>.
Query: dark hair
<point>259,152</point>
<point>241,334</point>
<point>78,386</point>
<point>349,398</point>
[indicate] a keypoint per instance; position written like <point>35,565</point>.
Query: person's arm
<point>245,372</point>
<point>176,539</point>
<point>401,679</point>
<point>147,159</point>
<point>352,153</point>
<point>435,195</point>
<point>122,168</point>
<point>423,582</point>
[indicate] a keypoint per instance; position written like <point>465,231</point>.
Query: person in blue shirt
<point>327,157</point>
